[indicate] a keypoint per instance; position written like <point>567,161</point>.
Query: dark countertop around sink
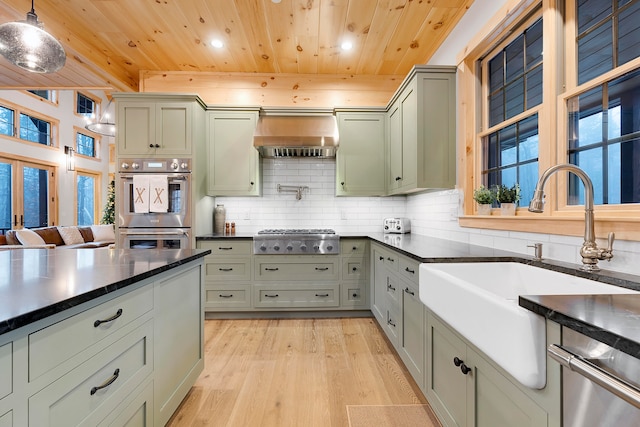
<point>612,319</point>
<point>38,283</point>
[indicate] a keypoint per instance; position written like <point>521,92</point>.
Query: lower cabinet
<point>465,389</point>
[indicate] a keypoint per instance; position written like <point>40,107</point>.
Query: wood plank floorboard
<point>293,372</point>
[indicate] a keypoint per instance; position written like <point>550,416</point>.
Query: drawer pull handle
<point>408,270</point>
<point>355,248</point>
<point>225,249</point>
<point>389,287</point>
<point>322,268</point>
<point>110,319</point>
<point>271,269</point>
<point>225,269</point>
<point>225,296</point>
<point>354,269</point>
<point>390,322</point>
<point>381,258</point>
<point>322,295</point>
<point>410,292</point>
<point>391,260</point>
<point>107,383</point>
<point>271,296</point>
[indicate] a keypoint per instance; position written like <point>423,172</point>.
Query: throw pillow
<point>70,235</point>
<point>29,237</point>
<point>103,233</point>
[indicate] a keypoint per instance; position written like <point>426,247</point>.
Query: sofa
<point>67,237</point>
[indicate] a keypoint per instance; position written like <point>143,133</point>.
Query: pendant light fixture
<point>104,126</point>
<point>31,48</point>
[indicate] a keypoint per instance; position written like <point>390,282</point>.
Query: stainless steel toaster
<point>397,225</point>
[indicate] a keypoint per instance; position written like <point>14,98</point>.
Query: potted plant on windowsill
<point>484,197</point>
<point>508,197</point>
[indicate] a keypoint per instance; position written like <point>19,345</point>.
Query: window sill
<point>625,228</point>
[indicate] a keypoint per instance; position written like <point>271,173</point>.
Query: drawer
<point>408,269</point>
<point>302,268</point>
<point>6,369</point>
<point>137,411</point>
<point>227,247</point>
<point>394,287</point>
<point>354,269</point>
<point>296,296</point>
<point>222,269</point>
<point>353,295</point>
<point>227,296</point>
<point>387,258</point>
<point>51,346</point>
<point>116,371</point>
<point>353,246</point>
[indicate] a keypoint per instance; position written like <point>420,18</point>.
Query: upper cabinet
<point>152,125</point>
<point>234,164</point>
<point>360,160</point>
<point>422,144</point>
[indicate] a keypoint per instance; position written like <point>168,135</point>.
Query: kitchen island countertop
<point>38,283</point>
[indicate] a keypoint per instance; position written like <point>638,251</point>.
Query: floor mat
<point>391,416</point>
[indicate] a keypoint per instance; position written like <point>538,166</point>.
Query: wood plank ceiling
<point>110,43</point>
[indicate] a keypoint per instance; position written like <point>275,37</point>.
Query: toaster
<point>397,225</point>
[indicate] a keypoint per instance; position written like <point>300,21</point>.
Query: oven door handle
<point>155,233</point>
<point>589,370</point>
<point>170,177</point>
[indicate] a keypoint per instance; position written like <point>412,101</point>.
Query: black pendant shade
<point>28,46</point>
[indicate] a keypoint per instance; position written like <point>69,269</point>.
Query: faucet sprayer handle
<point>611,238</point>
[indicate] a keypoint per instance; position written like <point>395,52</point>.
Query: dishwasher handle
<point>589,370</point>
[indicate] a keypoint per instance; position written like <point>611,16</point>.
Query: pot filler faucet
<point>590,252</point>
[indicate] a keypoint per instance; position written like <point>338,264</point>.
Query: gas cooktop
<point>297,231</point>
<point>300,241</point>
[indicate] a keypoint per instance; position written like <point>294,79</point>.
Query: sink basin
<point>480,301</point>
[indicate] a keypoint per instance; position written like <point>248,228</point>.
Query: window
<point>85,106</point>
<point>34,129</point>
<point>6,121</point>
<point>513,75</point>
<point>25,194</point>
<point>85,145</point>
<point>44,94</point>
<point>86,197</point>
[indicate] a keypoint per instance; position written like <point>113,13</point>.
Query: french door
<point>27,198</point>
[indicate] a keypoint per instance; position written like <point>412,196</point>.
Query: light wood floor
<point>293,372</point>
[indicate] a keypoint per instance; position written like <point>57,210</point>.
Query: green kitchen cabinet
<point>234,164</point>
<point>465,388</point>
<point>360,160</point>
<point>421,152</point>
<point>156,125</point>
<point>354,254</point>
<point>412,338</point>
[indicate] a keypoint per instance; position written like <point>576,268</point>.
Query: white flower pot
<point>507,209</point>
<point>484,209</point>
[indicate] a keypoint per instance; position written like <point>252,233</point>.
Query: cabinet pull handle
<point>355,248</point>
<point>457,361</point>
<point>271,269</point>
<point>381,258</point>
<point>391,260</point>
<point>150,145</point>
<point>398,178</point>
<point>225,249</point>
<point>15,220</point>
<point>354,269</point>
<point>322,295</point>
<point>391,287</point>
<point>465,369</point>
<point>157,145</point>
<point>225,296</point>
<point>390,322</point>
<point>410,292</point>
<point>225,269</point>
<point>342,183</point>
<point>322,268</point>
<point>408,270</point>
<point>107,383</point>
<point>251,183</point>
<point>271,296</point>
<point>354,295</point>
<point>110,319</point>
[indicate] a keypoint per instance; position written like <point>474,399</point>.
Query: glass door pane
<point>35,193</point>
<point>6,196</point>
<point>86,199</point>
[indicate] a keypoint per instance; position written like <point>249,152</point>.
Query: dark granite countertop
<point>38,283</point>
<point>612,319</point>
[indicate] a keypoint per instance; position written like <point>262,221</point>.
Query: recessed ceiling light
<point>346,45</point>
<point>217,43</point>
<point>275,1</point>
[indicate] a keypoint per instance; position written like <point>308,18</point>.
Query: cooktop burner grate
<point>297,231</point>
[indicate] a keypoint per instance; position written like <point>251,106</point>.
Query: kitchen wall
<point>318,207</point>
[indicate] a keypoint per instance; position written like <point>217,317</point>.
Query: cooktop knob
<point>303,247</point>
<point>184,165</point>
<point>276,248</point>
<point>329,248</point>
<point>289,247</point>
<point>316,248</point>
<point>135,166</point>
<point>263,248</point>
<point>174,166</point>
<point>124,165</point>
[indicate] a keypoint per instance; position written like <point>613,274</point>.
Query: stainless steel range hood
<point>296,136</point>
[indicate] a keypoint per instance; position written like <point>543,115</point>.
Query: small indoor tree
<point>109,211</point>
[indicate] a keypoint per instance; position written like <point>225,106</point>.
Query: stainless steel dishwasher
<point>601,385</point>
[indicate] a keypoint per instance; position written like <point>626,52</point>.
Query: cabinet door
<point>395,148</point>
<point>360,161</point>
<point>412,337</point>
<point>410,123</point>
<point>136,128</point>
<point>173,128</point>
<point>446,384</point>
<point>234,164</point>
<point>380,281</point>
<point>497,401</point>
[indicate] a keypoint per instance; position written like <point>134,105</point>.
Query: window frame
<point>560,84</point>
<point>96,103</point>
<point>53,98</point>
<point>97,141</point>
<point>96,193</point>
<point>17,110</point>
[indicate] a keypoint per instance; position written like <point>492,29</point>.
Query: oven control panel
<point>155,165</point>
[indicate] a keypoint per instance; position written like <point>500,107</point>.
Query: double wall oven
<point>141,182</point>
